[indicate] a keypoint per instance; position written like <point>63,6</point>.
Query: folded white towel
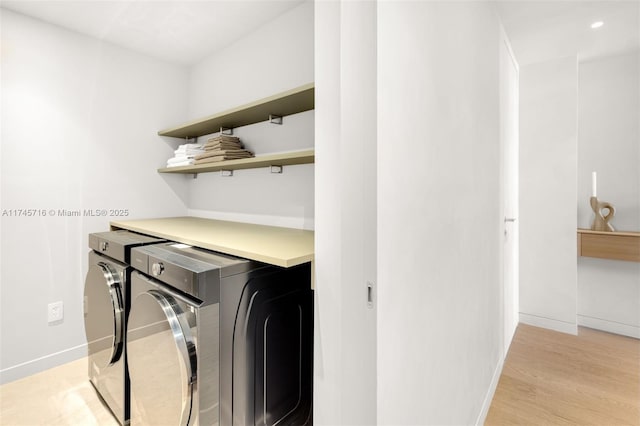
<point>179,159</point>
<point>189,152</point>
<point>181,163</point>
<point>190,146</point>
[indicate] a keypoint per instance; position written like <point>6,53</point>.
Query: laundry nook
<point>319,212</point>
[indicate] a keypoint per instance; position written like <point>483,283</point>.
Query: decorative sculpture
<point>601,222</point>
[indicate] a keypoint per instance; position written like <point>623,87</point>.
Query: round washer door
<point>162,361</point>
<point>104,314</point>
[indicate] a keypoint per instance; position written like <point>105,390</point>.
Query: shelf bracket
<point>276,169</point>
<point>226,131</point>
<point>275,119</point>
<point>195,176</point>
<point>226,173</point>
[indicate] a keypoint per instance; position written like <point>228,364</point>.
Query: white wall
<point>92,110</point>
<point>548,188</point>
<point>609,143</point>
<point>79,123</point>
<point>276,57</point>
<point>257,195</point>
<point>439,222</point>
<point>345,191</point>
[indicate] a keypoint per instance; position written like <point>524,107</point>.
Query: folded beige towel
<point>240,153</point>
<point>223,145</point>
<point>209,160</point>
<point>225,138</point>
<point>218,159</point>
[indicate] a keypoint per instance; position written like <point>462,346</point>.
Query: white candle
<point>593,184</point>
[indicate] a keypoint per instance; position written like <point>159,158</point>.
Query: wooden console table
<point>609,245</point>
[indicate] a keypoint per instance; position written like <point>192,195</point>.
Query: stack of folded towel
<point>185,154</point>
<point>220,148</point>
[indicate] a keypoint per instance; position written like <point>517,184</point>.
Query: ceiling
<point>183,32</point>
<point>187,31</point>
<point>543,30</point>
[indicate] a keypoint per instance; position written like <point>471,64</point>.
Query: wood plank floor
<point>552,378</point>
<point>549,378</point>
<point>58,396</point>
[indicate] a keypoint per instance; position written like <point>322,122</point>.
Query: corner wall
<point>79,123</point>
<point>609,143</point>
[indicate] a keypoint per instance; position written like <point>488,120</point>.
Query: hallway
<point>555,378</point>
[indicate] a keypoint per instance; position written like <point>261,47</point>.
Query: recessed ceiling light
<point>597,24</point>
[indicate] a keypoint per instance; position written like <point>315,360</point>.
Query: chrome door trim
<point>113,282</point>
<point>185,344</point>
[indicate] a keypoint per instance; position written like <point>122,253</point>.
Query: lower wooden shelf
<point>609,245</point>
<point>279,159</point>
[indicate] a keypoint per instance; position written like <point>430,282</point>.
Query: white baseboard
<point>28,368</point>
<point>486,404</point>
<point>609,326</point>
<point>548,323</point>
<point>258,219</point>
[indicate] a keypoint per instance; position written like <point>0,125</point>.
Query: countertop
<point>284,247</point>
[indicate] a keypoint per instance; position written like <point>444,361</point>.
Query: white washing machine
<point>106,306</point>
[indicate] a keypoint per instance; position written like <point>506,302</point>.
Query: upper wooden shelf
<point>617,245</point>
<point>280,159</point>
<point>286,103</point>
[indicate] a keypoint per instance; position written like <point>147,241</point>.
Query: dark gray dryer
<point>106,302</point>
<point>218,340</point>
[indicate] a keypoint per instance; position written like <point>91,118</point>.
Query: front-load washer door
<point>162,361</point>
<point>104,315</point>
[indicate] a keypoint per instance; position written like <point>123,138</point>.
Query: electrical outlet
<point>55,312</point>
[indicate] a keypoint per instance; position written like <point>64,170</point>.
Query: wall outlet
<point>55,312</point>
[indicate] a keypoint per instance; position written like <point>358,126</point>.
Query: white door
<point>509,139</point>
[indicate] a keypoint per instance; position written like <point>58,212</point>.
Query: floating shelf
<point>280,159</point>
<point>609,245</point>
<point>286,103</point>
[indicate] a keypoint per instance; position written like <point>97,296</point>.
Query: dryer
<point>106,301</point>
<point>218,340</point>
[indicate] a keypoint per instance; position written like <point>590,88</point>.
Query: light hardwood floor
<point>58,396</point>
<point>552,378</point>
<point>549,378</point>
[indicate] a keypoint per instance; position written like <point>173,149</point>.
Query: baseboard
<point>28,368</point>
<point>609,326</point>
<point>486,405</point>
<point>258,219</point>
<point>548,323</point>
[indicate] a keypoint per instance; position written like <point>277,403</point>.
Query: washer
<point>105,314</point>
<point>218,340</point>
